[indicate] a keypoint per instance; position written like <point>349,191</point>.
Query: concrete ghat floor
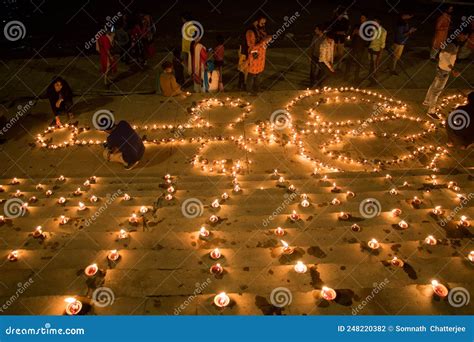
<point>164,266</point>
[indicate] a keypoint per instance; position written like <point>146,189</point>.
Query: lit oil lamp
<point>437,210</point>
<point>292,188</point>
<point>168,197</point>
<point>143,210</point>
<point>17,194</point>
<point>405,184</point>
<point>305,203</point>
<point>355,228</point>
<point>215,204</point>
<point>171,189</point>
<point>133,219</point>
<point>63,220</point>
<point>87,183</point>
<point>439,289</point>
<point>48,193</point>
<point>350,194</point>
<point>396,262</point>
<point>416,201</point>
<point>91,270</point>
<point>430,240</point>
<point>78,192</point>
<point>3,190</point>
<point>396,212</point>
<point>343,216</point>
<point>93,199</point>
<point>2,219</point>
<point>33,199</point>
<point>224,196</point>
<point>286,248</point>
<point>93,179</point>
<point>281,180</point>
<point>215,254</point>
<point>113,255</point>
<point>300,267</point>
<point>373,244</point>
<point>279,231</point>
<point>127,197</point>
<point>73,306</point>
<point>403,224</point>
<point>464,222</point>
<point>471,256</point>
<point>236,188</point>
<point>393,191</point>
<point>15,181</point>
<point>167,176</point>
<point>388,177</point>
<point>203,232</point>
<point>61,178</point>
<point>61,200</point>
<point>294,216</point>
<point>38,232</point>
<point>13,255</point>
<point>213,219</point>
<point>39,187</point>
<point>221,300</point>
<point>335,201</point>
<point>335,188</point>
<point>216,269</point>
<point>328,294</point>
<point>123,234</point>
<point>82,206</point>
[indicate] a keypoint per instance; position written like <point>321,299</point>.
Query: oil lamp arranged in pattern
<point>373,244</point>
<point>464,222</point>
<point>294,216</point>
<point>73,306</point>
<point>38,233</point>
<point>343,216</point>
<point>216,269</point>
<point>286,248</point>
<point>221,300</point>
<point>397,262</point>
<point>279,231</point>
<point>91,270</point>
<point>113,255</point>
<point>300,267</point>
<point>204,233</point>
<point>439,289</point>
<point>13,255</point>
<point>396,212</point>
<point>215,254</point>
<point>437,211</point>
<point>328,293</point>
<point>430,240</point>
<point>403,224</point>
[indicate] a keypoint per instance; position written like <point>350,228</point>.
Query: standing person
<point>402,33</point>
<point>441,30</point>
<point>123,145</point>
<point>199,58</point>
<point>376,47</point>
<point>257,39</point>
<point>242,65</point>
<point>462,137</point>
<point>122,42</point>
<point>187,32</point>
<point>314,52</point>
<point>357,52</point>
<point>340,27</point>
<point>108,65</point>
<point>137,35</point>
<point>326,58</point>
<point>60,98</point>
<point>447,59</point>
<point>149,31</point>
<point>219,59</point>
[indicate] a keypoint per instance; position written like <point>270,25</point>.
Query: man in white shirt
<point>447,59</point>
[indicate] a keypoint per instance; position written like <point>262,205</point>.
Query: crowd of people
<point>336,46</point>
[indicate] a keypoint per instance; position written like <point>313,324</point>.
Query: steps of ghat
<point>163,261</point>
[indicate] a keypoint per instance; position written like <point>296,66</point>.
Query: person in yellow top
<point>168,85</point>
<point>376,47</point>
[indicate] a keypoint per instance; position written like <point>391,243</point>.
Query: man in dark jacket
<point>124,145</point>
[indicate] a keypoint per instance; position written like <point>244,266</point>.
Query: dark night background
<point>70,23</point>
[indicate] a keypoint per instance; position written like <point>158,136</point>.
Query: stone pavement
<point>228,145</point>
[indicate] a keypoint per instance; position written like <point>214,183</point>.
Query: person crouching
<point>123,145</point>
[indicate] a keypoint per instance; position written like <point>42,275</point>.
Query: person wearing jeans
<point>447,58</point>
<point>315,71</point>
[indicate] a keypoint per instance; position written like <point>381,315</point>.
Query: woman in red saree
<point>108,64</point>
<point>199,58</point>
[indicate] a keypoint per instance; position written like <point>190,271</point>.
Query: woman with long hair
<point>60,97</point>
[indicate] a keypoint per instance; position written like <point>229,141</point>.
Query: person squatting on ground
<point>60,98</point>
<point>123,145</point>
